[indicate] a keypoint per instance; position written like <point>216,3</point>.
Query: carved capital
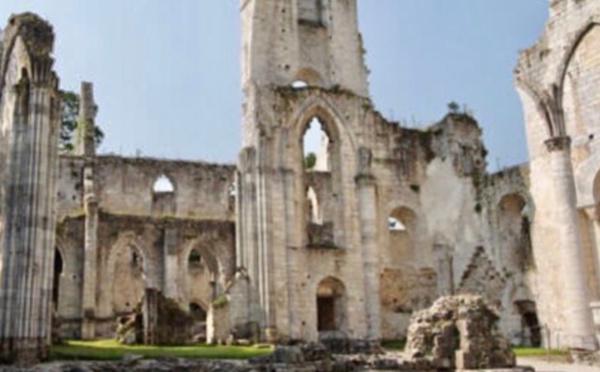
<point>247,160</point>
<point>558,143</point>
<point>364,180</point>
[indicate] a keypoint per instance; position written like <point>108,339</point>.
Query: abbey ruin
<point>385,221</point>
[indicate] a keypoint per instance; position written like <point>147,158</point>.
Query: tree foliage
<point>70,122</point>
<point>453,107</point>
<point>310,160</point>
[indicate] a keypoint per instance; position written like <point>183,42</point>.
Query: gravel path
<point>543,366</point>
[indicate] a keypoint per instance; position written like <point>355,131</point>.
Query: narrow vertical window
<point>316,147</point>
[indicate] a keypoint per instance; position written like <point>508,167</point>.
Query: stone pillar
<point>367,201</point>
<point>87,114</point>
<point>30,120</point>
<point>445,279</point>
<point>170,262</point>
<point>595,306</point>
<point>578,320</point>
<point>150,316</point>
<point>85,139</point>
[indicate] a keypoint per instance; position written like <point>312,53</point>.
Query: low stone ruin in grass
<point>459,332</point>
<point>157,320</point>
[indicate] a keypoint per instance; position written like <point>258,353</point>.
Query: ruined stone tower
<point>29,123</point>
<point>287,257</point>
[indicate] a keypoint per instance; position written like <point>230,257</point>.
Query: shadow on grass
<point>103,350</point>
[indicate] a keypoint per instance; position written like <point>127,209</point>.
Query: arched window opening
<point>58,270</point>
<point>402,234</point>
<point>299,84</point>
<point>232,190</point>
<point>401,220</point>
<point>312,207</point>
<point>316,145</point>
<point>197,312</point>
<point>163,185</point>
<point>307,77</point>
<point>331,305</point>
<point>137,261</point>
<point>515,226</point>
<point>396,225</point>
<point>195,261</point>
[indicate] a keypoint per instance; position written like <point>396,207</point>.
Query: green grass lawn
<point>399,345</point>
<point>394,345</point>
<point>538,352</point>
<point>112,350</point>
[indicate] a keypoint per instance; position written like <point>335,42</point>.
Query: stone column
<point>171,267</point>
<point>445,279</point>
<point>592,214</point>
<point>85,139</point>
<point>367,201</point>
<point>29,102</point>
<point>150,316</point>
<point>86,148</point>
<point>578,320</point>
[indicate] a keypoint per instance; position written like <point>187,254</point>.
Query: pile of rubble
<point>459,332</point>
<point>157,320</point>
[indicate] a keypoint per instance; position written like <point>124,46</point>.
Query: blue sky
<point>166,73</point>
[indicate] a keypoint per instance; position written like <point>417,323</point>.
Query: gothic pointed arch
<point>529,91</point>
<point>327,178</point>
<point>578,37</point>
<point>321,108</point>
<point>129,271</point>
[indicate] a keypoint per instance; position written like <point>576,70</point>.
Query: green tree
<point>70,120</point>
<point>310,160</point>
<point>453,107</point>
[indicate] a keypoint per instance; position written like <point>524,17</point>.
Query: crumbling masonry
<point>386,221</point>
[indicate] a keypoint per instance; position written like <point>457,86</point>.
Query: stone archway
<point>129,279</point>
<point>530,327</point>
<point>514,222</point>
<point>203,276</point>
<point>331,306</point>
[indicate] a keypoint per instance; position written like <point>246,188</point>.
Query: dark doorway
<point>326,314</point>
<point>331,306</point>
<point>58,269</point>
<point>197,312</point>
<point>530,327</point>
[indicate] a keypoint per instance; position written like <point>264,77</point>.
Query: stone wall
<point>140,245</point>
<point>557,81</point>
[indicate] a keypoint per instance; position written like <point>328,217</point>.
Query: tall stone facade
<point>557,80</point>
<point>29,124</point>
<point>379,224</point>
<point>401,213</point>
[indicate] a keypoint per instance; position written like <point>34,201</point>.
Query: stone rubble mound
<point>459,332</point>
